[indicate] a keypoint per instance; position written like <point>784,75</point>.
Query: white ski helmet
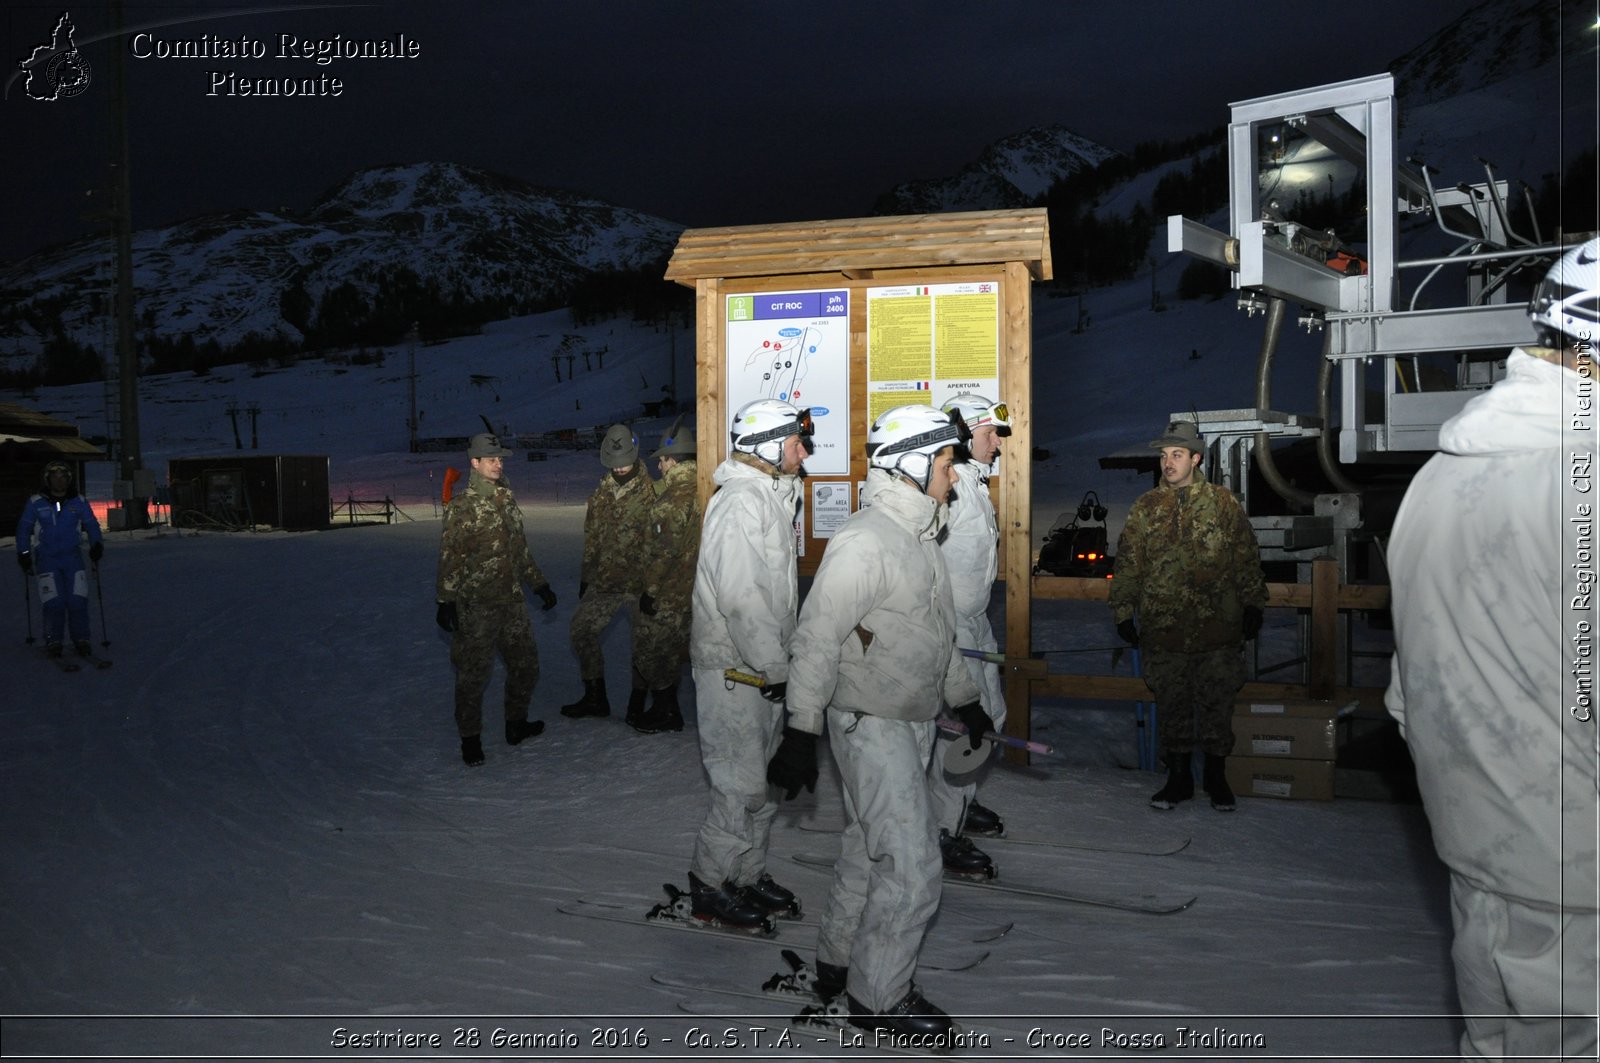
<point>905,439</point>
<point>760,427</point>
<point>1566,305</point>
<point>978,411</point>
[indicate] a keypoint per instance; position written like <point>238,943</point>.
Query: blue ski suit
<point>52,529</point>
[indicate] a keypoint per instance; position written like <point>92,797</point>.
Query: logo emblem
<point>56,71</point>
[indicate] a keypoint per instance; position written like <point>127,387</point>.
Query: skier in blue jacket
<point>49,547</point>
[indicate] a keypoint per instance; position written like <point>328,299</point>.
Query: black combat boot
<point>663,714</point>
<point>961,857</point>
<point>767,896</point>
<point>636,698</point>
<point>593,702</point>
<point>517,730</point>
<point>472,751</point>
<point>829,981</point>
<point>1215,780</point>
<point>913,1017</point>
<point>718,904</point>
<point>1180,782</point>
<point>982,820</point>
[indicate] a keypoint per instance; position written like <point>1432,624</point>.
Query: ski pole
<point>955,728</point>
<point>105,640</point>
<point>733,675</point>
<point>983,655</point>
<point>27,603</point>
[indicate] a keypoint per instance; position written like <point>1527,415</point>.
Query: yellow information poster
<point>928,343</point>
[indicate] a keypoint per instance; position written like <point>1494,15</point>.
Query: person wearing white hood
<point>1492,566</point>
<point>746,593</point>
<point>971,551</point>
<point>875,656</point>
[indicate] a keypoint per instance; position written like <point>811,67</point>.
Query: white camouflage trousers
<point>953,793</point>
<point>739,733</point>
<point>1525,977</point>
<point>887,882</point>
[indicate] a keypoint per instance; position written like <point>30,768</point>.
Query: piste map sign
<point>795,346</point>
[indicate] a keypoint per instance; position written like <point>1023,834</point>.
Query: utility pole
<point>131,460</point>
<point>411,376</point>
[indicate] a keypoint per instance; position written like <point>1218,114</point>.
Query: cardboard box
<point>1307,780</point>
<point>1298,707</point>
<point>1300,737</point>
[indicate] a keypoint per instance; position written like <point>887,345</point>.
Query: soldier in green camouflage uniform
<point>1188,565</point>
<point>614,538</point>
<point>483,562</point>
<point>666,606</point>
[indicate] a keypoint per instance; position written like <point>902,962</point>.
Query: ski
<point>1086,844</point>
<point>980,935</point>
<point>63,662</point>
<point>94,659</point>
<point>1147,903</point>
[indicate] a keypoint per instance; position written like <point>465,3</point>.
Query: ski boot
<point>913,1017</point>
<point>663,714</point>
<point>1180,782</point>
<point>517,730</point>
<point>593,702</point>
<point>982,820</point>
<point>1215,781</point>
<point>472,751</point>
<point>52,649</point>
<point>963,858</point>
<point>765,895</point>
<point>714,906</point>
<point>84,648</point>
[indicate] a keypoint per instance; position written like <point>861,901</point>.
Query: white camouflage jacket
<point>746,583</point>
<point>877,632</point>
<point>1480,547</point>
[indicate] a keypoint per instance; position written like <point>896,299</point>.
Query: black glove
<point>96,551</point>
<point>25,559</point>
<point>775,691</point>
<point>1129,633</point>
<point>547,596</point>
<point>976,720</point>
<point>1252,621</point>
<point>582,586</point>
<point>647,604</point>
<point>795,764</point>
<point>446,616</point>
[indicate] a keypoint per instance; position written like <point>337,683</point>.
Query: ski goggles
<point>997,415</point>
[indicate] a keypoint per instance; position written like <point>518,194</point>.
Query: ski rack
<point>1271,256</point>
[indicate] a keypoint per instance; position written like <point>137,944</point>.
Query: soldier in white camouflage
<point>1189,567</point>
<point>666,606</point>
<point>611,579</point>
<point>484,561</point>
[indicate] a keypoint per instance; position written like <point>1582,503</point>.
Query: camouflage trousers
<point>889,875</point>
<point>482,628</point>
<point>1194,698</point>
<point>661,645</point>
<point>594,614</point>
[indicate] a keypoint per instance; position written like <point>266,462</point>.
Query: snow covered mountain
<point>1491,42</point>
<point>1011,172</point>
<point>469,235</point>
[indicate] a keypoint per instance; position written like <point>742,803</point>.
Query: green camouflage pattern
<point>1194,697</point>
<point>482,628</point>
<point>615,533</point>
<point>663,640</point>
<point>483,553</point>
<point>1187,564</point>
<point>595,611</point>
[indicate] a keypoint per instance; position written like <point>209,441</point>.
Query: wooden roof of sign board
<point>864,245</point>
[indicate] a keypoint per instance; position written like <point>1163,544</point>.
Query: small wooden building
<point>28,442</point>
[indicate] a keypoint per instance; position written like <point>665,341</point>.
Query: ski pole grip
<point>954,727</point>
<point>733,675</point>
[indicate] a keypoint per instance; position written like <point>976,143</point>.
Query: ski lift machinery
<point>1277,261</point>
<point>1353,295</point>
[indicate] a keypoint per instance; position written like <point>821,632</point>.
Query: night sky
<point>705,113</point>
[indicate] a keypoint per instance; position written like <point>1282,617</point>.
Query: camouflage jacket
<point>483,554</point>
<point>1188,564</point>
<point>615,533</point>
<point>674,539</point>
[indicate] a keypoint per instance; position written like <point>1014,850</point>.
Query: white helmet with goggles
<point>760,427</point>
<point>1565,307</point>
<point>905,439</point>
<point>978,411</point>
